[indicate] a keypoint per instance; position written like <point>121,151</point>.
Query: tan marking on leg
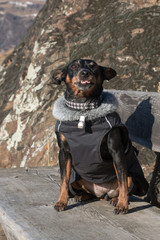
<point>63,198</point>
<point>85,193</point>
<point>79,185</point>
<point>122,205</point>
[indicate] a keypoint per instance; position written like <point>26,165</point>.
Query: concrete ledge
<point>2,235</point>
<point>26,212</point>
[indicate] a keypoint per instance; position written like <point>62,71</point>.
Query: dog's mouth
<point>84,84</point>
<point>85,80</point>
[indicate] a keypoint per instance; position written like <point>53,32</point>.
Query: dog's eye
<point>92,65</point>
<point>74,66</point>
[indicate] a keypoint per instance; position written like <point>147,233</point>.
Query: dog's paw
<point>121,208</point>
<point>83,197</point>
<point>114,201</point>
<point>60,206</point>
<point>107,198</point>
<point>78,198</point>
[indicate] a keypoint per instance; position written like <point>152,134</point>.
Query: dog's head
<point>83,77</point>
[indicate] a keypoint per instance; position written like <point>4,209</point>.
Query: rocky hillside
<point>15,18</point>
<point>121,34</point>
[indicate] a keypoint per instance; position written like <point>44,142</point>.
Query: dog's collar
<point>88,105</point>
<point>108,105</point>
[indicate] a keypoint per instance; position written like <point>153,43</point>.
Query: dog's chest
<point>85,145</point>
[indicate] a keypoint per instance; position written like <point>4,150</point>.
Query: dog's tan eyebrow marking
<point>68,79</point>
<point>92,63</point>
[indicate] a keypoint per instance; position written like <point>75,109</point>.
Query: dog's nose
<point>84,73</point>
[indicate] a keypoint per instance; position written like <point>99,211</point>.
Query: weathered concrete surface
<point>2,235</point>
<point>26,212</point>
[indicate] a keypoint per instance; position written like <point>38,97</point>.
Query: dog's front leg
<point>116,149</point>
<point>65,163</point>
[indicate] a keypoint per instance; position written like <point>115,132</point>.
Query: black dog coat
<point>85,145</point>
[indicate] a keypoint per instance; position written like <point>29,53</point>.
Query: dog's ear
<point>59,76</point>
<point>107,73</point>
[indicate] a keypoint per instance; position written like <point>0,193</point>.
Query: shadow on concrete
<point>140,208</point>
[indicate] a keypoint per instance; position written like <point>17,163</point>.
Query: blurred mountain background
<point>15,18</point>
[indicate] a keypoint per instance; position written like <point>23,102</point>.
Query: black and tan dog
<point>96,156</point>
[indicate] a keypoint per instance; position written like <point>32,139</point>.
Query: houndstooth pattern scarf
<point>88,105</point>
<point>62,112</point>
